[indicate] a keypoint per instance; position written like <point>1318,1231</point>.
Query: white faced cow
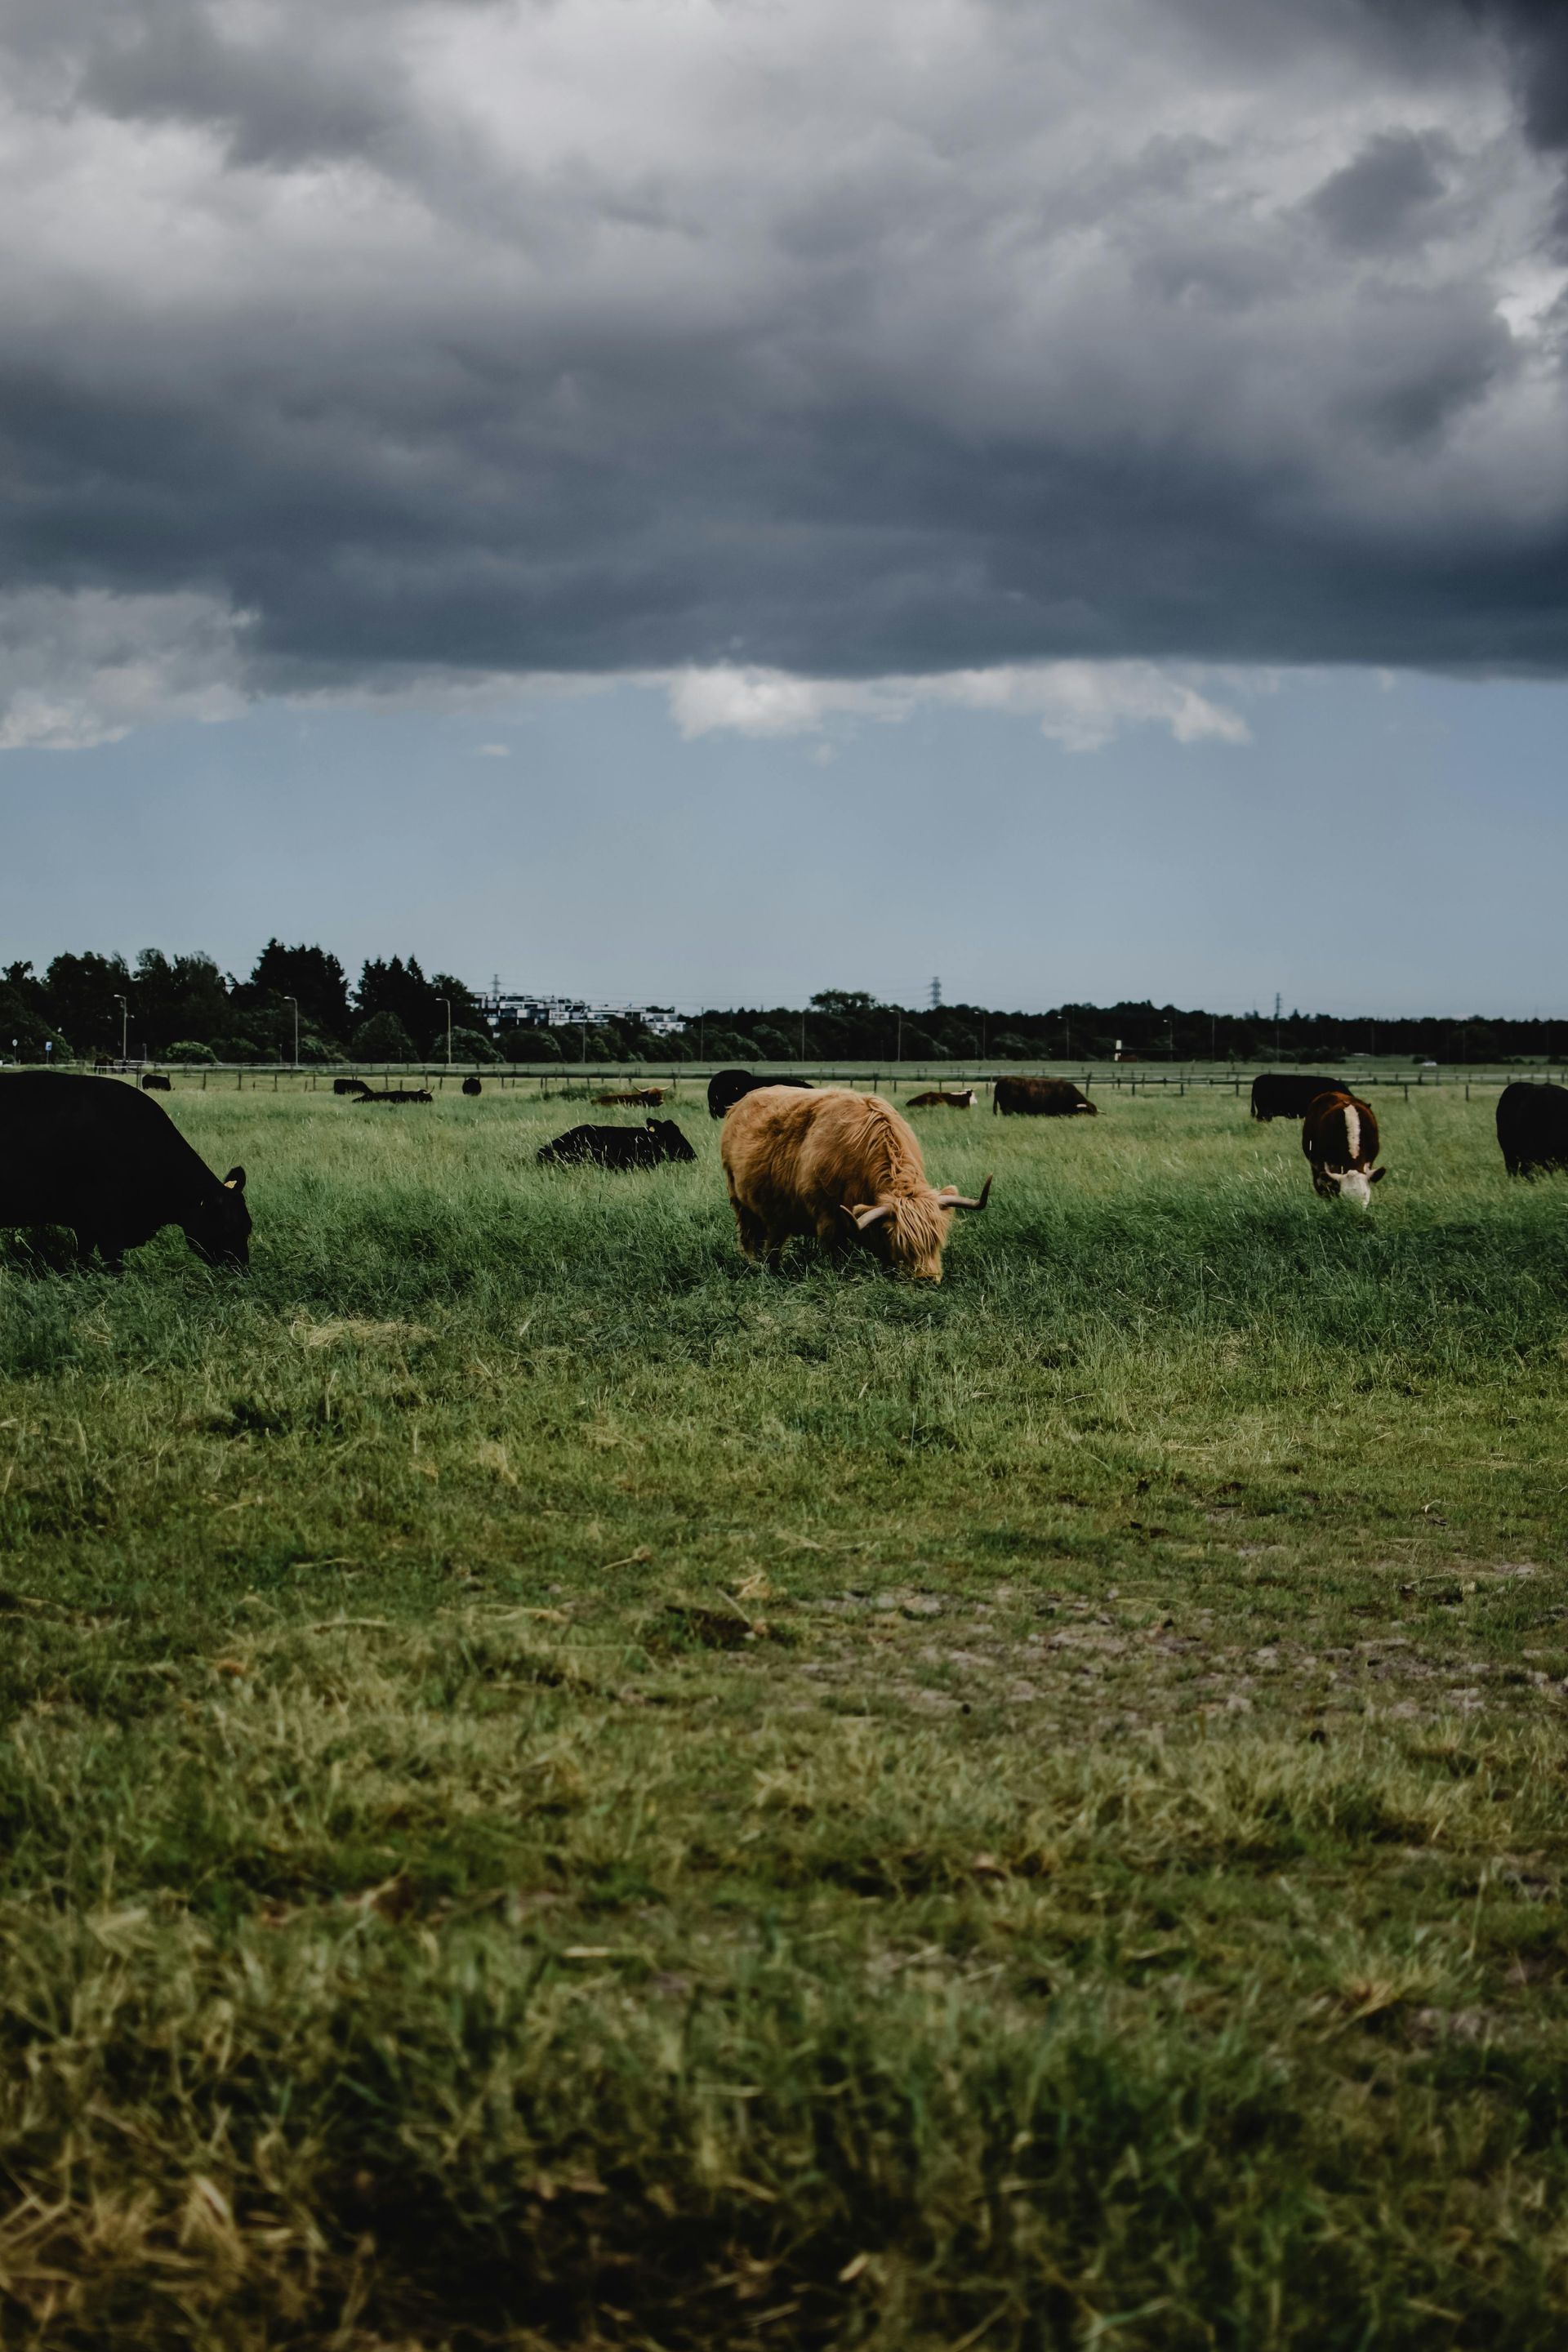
<point>1339,1135</point>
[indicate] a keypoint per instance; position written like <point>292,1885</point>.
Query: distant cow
<point>618,1146</point>
<point>842,1167</point>
<point>730,1086</point>
<point>634,1098</point>
<point>472,1085</point>
<point>936,1099</point>
<point>1283,1094</point>
<point>112,1166</point>
<point>1041,1098</point>
<point>399,1095</point>
<point>154,1082</point>
<point>1533,1128</point>
<point>1338,1136</point>
<point>350,1086</point>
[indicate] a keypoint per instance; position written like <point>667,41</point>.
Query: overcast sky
<point>727,497</point>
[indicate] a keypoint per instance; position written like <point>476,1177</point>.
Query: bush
<point>1011,1047</point>
<point>187,1049</point>
<point>467,1045</point>
<point>235,1049</point>
<point>383,1038</point>
<point>320,1049</point>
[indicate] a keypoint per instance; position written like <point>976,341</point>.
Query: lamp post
<point>124,1027</point>
<point>447,1002</point>
<point>295,1003</point>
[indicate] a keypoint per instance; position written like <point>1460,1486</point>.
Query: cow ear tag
<point>235,1180</point>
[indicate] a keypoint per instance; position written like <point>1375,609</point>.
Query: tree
<point>467,1045</point>
<point>176,996</point>
<point>79,998</point>
<point>383,1038</point>
<point>523,1042</point>
<point>316,978</point>
<point>188,1049</point>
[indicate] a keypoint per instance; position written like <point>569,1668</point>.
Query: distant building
<point>505,1010</point>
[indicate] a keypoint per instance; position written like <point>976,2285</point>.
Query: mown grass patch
<point>559,1791</point>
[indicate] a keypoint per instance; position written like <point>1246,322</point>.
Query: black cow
<point>350,1086</point>
<point>473,1086</point>
<point>111,1165</point>
<point>1283,1094</point>
<point>1041,1098</point>
<point>399,1095</point>
<point>1533,1128</point>
<point>726,1087</point>
<point>154,1082</point>
<point>618,1146</point>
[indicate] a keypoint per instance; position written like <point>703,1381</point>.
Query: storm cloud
<point>434,340</point>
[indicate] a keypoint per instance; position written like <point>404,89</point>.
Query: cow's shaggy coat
<point>840,1166</point>
<point>1338,1136</point>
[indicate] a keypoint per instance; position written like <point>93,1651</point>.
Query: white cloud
<point>1080,705</point>
<point>82,669</point>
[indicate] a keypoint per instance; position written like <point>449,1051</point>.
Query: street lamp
<point>295,1003</point>
<point>447,1002</point>
<point>124,1028</point>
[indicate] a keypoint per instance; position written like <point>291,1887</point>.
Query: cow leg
<point>752,1233</point>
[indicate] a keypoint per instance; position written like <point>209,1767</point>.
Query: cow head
<point>220,1230</point>
<point>1354,1183</point>
<point>908,1232</point>
<point>672,1144</point>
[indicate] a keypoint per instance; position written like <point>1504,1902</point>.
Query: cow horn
<point>957,1200</point>
<point>864,1219</point>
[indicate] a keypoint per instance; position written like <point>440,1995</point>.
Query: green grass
<point>558,1791</point>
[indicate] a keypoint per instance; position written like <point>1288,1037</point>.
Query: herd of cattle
<point>110,1164</point>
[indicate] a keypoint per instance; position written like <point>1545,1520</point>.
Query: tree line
<point>183,1007</point>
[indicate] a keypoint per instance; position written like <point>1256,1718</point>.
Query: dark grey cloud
<point>438,339</point>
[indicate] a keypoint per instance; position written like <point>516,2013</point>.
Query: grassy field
<point>557,1790</point>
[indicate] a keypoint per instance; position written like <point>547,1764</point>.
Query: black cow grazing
<point>1533,1128</point>
<point>617,1146</point>
<point>399,1095</point>
<point>350,1086</point>
<point>473,1085</point>
<point>1283,1094</point>
<point>1041,1098</point>
<point>1339,1135</point>
<point>154,1082</point>
<point>111,1165</point>
<point>726,1087</point>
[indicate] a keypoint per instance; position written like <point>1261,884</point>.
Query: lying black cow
<point>399,1095</point>
<point>1283,1094</point>
<point>726,1087</point>
<point>112,1166</point>
<point>1041,1098</point>
<point>350,1086</point>
<point>473,1086</point>
<point>154,1082</point>
<point>618,1146</point>
<point>1533,1128</point>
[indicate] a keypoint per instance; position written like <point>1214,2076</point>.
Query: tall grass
<point>561,1791</point>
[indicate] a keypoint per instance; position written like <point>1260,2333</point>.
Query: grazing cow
<point>1533,1128</point>
<point>154,1082</point>
<point>1283,1094</point>
<point>111,1165</point>
<point>842,1167</point>
<point>618,1146</point>
<point>472,1085</point>
<point>728,1088</point>
<point>399,1095</point>
<point>1339,1135</point>
<point>636,1098</point>
<point>350,1086</point>
<point>1041,1098</point>
<point>937,1100</point>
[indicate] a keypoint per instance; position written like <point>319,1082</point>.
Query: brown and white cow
<point>938,1100</point>
<point>1339,1135</point>
<point>844,1167</point>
